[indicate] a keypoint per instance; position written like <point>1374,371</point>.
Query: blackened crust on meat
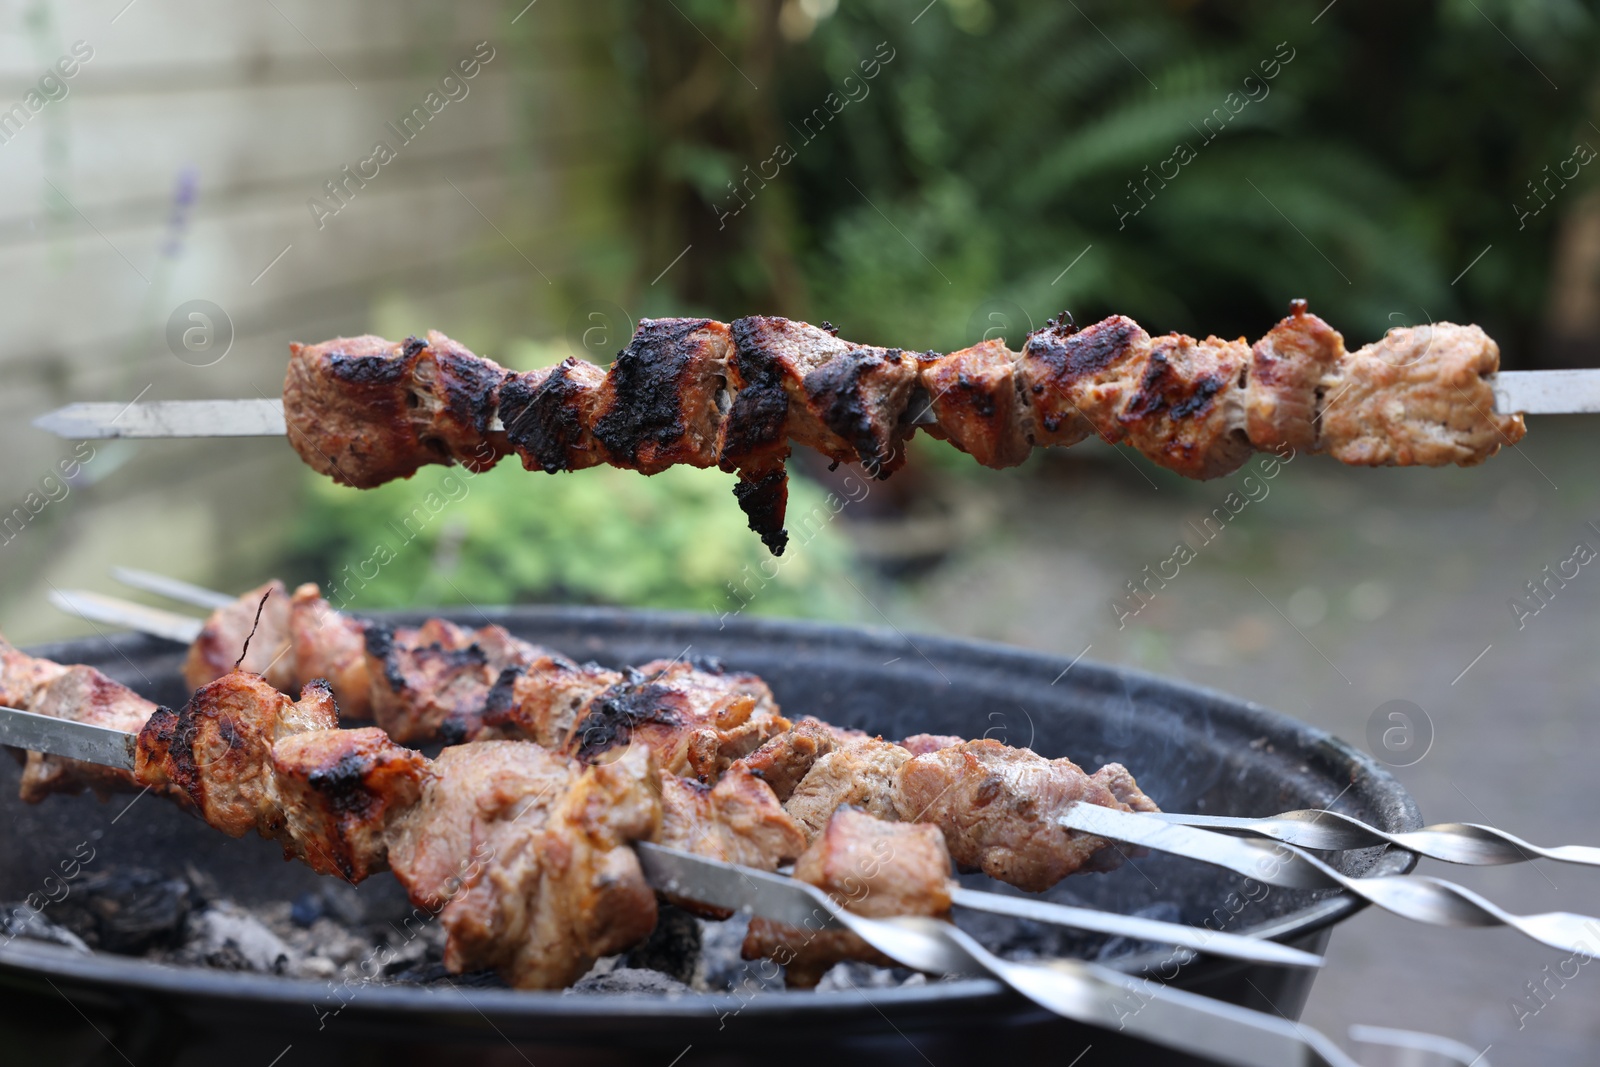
<point>542,418</point>
<point>764,499</point>
<point>380,646</point>
<point>610,717</point>
<point>843,400</point>
<point>660,396</point>
<point>502,695</point>
<point>369,370</point>
<point>344,785</point>
<point>1163,390</point>
<point>172,734</point>
<point>756,422</point>
<point>1072,353</point>
<point>470,385</point>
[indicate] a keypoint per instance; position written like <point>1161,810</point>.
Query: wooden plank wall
<point>178,166</point>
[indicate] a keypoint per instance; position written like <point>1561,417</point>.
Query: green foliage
<point>1006,137</point>
<point>675,540</point>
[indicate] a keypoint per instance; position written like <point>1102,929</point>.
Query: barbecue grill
<point>1193,750</point>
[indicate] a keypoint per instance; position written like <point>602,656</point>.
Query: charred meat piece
<point>216,750</point>
<point>981,409</point>
<point>331,646</point>
<point>523,854</point>
<point>696,717</point>
<point>223,637</point>
<point>1187,414</point>
<point>859,772</point>
<point>1076,379</point>
<point>1177,400</point>
<point>842,399</point>
<point>783,761</point>
<point>997,808</point>
<point>549,416</point>
<point>365,411</point>
<point>337,790</point>
<point>81,694</point>
<point>1418,397</point>
<point>1287,366</point>
<point>874,868</point>
<point>433,681</point>
<point>541,701</point>
<point>659,404</point>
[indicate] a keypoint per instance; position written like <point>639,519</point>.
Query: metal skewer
<point>1085,992</point>
<point>1454,842</point>
<point>1426,900</point>
<point>115,748</point>
<point>1530,392</point>
<point>1465,843</point>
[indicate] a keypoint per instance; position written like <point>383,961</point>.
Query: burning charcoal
<point>307,909</point>
<point>230,938</point>
<point>19,920</point>
<point>128,910</point>
<point>673,947</point>
<point>625,980</point>
<point>336,901</point>
<point>722,967</point>
<point>851,974</point>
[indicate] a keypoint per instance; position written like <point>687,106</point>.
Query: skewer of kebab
<point>738,396</point>
<point>521,852</point>
<point>791,755</point>
<point>569,876</point>
<point>1002,810</point>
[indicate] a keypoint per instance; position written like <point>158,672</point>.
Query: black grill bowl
<point>1191,749</point>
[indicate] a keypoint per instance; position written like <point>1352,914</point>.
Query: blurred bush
<point>601,536</point>
<point>1392,145</point>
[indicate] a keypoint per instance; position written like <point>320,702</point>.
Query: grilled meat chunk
<point>365,411</point>
<point>1187,414</point>
<point>330,645</point>
<point>696,717</point>
<point>738,820</point>
<point>784,760</point>
<point>433,681</point>
<point>859,772</point>
<point>225,631</point>
<point>81,694</point>
<point>523,854</point>
<point>797,382</point>
<point>975,394</point>
<point>542,700</point>
<point>874,868</point>
<point>1177,400</point>
<point>216,750</point>
<point>549,416</point>
<point>842,399</point>
<point>997,808</point>
<point>659,403</point>
<point>23,677</point>
<point>337,790</point>
<point>1287,365</point>
<point>1418,397</point>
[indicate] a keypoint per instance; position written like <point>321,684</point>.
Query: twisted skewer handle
<point>1454,842</point>
<point>1425,900</point>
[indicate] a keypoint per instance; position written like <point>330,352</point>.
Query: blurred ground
<point>1397,581</point>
